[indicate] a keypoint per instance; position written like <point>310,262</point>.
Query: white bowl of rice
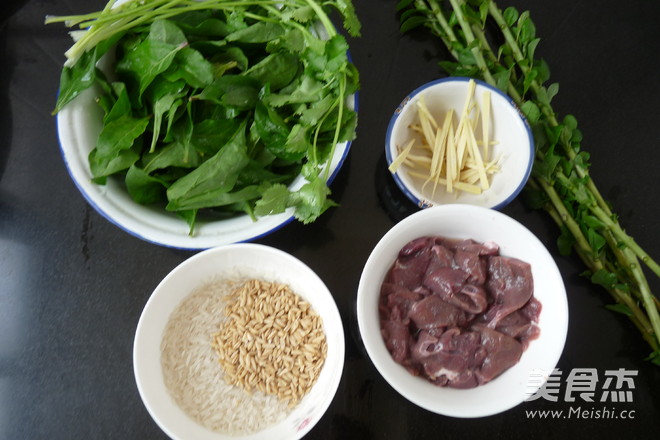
<point>242,341</point>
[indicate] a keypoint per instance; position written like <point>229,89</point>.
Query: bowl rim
<point>423,204</point>
<point>396,375</point>
<point>303,418</point>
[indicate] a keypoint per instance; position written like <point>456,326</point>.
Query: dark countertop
<point>73,285</point>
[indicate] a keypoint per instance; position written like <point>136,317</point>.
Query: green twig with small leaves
<point>498,46</point>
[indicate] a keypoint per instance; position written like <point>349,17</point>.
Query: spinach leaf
<point>233,91</point>
<point>260,32</point>
<point>119,134</point>
<point>120,131</point>
<point>256,172</point>
<point>211,134</point>
<point>201,24</point>
<point>182,132</point>
<point>218,173</point>
<point>165,96</point>
<point>103,166</point>
<point>174,154</point>
<point>82,75</point>
<point>190,217</point>
<point>121,103</point>
<point>192,67</point>
<point>74,80</point>
<point>153,55</point>
<point>144,188</point>
<point>304,89</point>
<point>229,58</point>
<point>167,32</point>
<point>218,198</point>
<point>277,70</point>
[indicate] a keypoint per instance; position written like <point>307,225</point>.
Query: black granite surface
<point>73,285</point>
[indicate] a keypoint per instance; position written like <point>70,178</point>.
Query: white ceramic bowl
<point>79,124</point>
<point>509,128</point>
<point>481,224</point>
<point>250,260</point>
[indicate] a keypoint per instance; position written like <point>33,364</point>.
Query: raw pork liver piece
<point>397,339</point>
<point>397,301</point>
<point>510,283</point>
<point>456,312</point>
<point>451,284</point>
<point>410,267</point>
<point>503,352</point>
<point>473,265</point>
<point>445,281</point>
<point>433,312</point>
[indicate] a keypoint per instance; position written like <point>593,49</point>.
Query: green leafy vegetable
<point>142,187</point>
<point>217,104</point>
<point>560,182</point>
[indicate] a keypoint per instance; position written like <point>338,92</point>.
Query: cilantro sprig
<point>215,106</point>
<point>560,183</point>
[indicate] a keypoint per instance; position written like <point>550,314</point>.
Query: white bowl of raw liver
<point>461,309</point>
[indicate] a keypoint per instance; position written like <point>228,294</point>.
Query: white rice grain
<point>195,379</point>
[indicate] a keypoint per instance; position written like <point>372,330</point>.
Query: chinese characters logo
<point>584,384</point>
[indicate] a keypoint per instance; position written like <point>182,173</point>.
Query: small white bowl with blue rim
<point>514,147</point>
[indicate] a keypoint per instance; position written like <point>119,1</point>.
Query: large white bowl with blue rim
<point>79,124</point>
<point>509,127</point>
